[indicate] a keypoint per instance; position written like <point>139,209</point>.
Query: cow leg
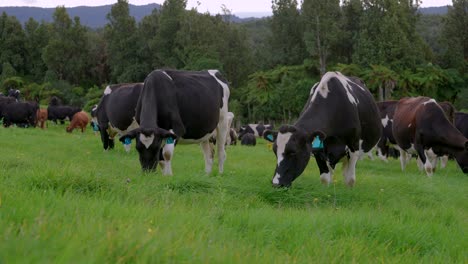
<point>431,161</point>
<point>222,131</point>
<point>167,153</point>
<point>349,168</point>
<point>420,164</point>
<point>208,153</point>
<point>403,158</point>
<point>443,161</point>
<point>326,171</point>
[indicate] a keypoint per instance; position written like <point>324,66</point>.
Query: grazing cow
<point>386,109</point>
<point>461,123</point>
<point>421,125</point>
<point>256,129</point>
<point>20,113</point>
<point>41,117</point>
<point>61,113</point>
<point>182,106</point>
<point>339,121</point>
<point>232,139</point>
<point>115,113</point>
<point>248,139</point>
<point>79,120</point>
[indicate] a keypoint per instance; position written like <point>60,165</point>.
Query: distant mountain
<point>93,17</point>
<point>438,10</point>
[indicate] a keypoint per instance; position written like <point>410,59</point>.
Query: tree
<point>67,51</point>
<point>122,42</point>
<point>455,35</point>
<point>37,38</point>
<point>322,28</point>
<point>165,45</point>
<point>287,41</point>
<point>12,43</point>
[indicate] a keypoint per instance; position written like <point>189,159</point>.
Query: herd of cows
<point>339,123</point>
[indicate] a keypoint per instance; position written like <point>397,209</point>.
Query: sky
<point>212,6</point>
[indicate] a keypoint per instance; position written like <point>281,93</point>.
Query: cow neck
<point>147,106</point>
<point>309,122</point>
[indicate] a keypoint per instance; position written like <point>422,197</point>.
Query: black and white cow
<point>181,106</point>
<point>22,114</point>
<point>386,109</point>
<point>248,139</point>
<point>115,113</point>
<point>461,123</point>
<point>256,129</point>
<point>339,121</point>
<point>420,125</point>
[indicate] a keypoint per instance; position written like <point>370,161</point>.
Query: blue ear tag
<point>169,140</point>
<point>317,143</point>
<point>127,141</point>
<point>95,127</point>
<point>270,137</point>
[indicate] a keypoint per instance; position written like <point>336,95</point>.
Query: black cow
<point>5,100</point>
<point>61,112</point>
<point>256,129</point>
<point>461,123</point>
<point>421,125</point>
<point>248,139</point>
<point>339,120</point>
<point>184,106</point>
<point>115,113</point>
<point>22,114</point>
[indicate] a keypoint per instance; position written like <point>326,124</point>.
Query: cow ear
<point>270,135</point>
<point>316,139</point>
<point>168,135</point>
<point>130,135</point>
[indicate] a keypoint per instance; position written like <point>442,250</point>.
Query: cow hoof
<point>350,182</point>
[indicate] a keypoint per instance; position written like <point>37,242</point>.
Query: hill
<point>93,17</point>
<point>435,10</point>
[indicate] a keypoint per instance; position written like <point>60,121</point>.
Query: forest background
<point>270,63</point>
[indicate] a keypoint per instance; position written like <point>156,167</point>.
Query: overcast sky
<point>212,6</point>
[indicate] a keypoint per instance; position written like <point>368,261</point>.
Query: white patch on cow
<point>313,88</point>
<point>281,142</point>
<point>430,101</point>
<point>108,90</point>
<point>168,153</point>
<point>409,125</point>
<point>431,161</point>
<point>323,90</point>
<point>326,178</point>
<point>94,108</point>
<point>222,127</point>
<point>381,155</point>
<point>276,179</point>
<point>147,141</point>
<point>208,151</point>
<point>385,121</point>
<point>132,126</point>
<point>254,128</point>
<point>168,76</point>
<point>443,161</point>
<point>127,147</point>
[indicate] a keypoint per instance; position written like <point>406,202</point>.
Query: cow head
<point>148,144</point>
<point>292,147</point>
<point>462,158</point>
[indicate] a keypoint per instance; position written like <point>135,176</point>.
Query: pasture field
<point>65,200</point>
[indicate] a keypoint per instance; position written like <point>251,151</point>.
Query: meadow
<point>64,200</point>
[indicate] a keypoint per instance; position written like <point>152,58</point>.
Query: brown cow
<point>41,119</point>
<point>421,125</point>
<point>80,120</point>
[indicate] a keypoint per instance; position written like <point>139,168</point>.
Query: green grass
<point>65,200</point>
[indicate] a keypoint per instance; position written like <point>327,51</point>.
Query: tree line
<point>271,63</point>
